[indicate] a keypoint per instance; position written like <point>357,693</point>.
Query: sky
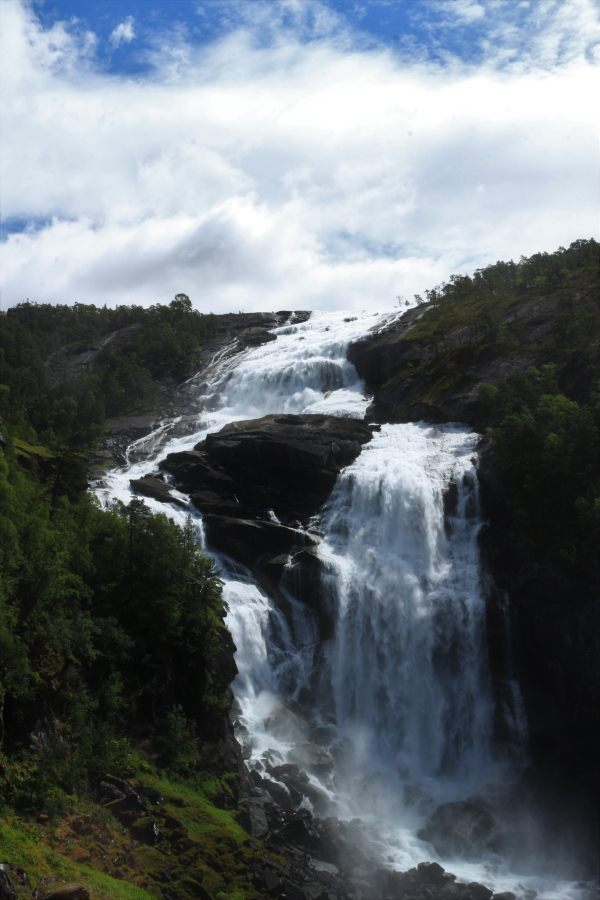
<point>289,155</point>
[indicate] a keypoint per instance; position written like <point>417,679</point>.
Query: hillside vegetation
<point>110,629</point>
<point>128,350</point>
<point>114,681</point>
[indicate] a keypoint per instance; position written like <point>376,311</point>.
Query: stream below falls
<point>398,699</point>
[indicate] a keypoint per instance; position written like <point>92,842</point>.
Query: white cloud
<point>282,176</point>
<point>522,36</point>
<point>468,10</point>
<point>123,32</point>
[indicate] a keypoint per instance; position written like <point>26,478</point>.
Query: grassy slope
<point>210,851</point>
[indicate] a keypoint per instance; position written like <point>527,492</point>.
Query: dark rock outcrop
<point>461,829</point>
<point>7,889</point>
<point>155,487</point>
<point>71,891</point>
<point>412,381</point>
<point>286,454</point>
<point>395,370</point>
<point>314,758</point>
<point>543,630</point>
<point>246,539</point>
<point>258,481</point>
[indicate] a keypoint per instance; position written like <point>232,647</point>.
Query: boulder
<point>250,469</point>
<point>296,446</point>
<point>153,487</point>
<point>284,723</point>
<point>130,803</point>
<point>460,829</point>
<point>253,817</point>
<point>273,566</point>
<point>109,790</point>
<point>193,469</point>
<point>475,891</point>
<point>271,883</point>
<point>429,881</point>
<point>71,891</point>
<point>246,539</point>
<point>146,831</point>
<point>46,884</point>
<point>432,873</point>
<point>286,770</point>
<point>151,794</point>
<point>300,829</point>
<point>291,891</point>
<point>318,797</point>
<point>271,756</point>
<point>219,504</point>
<point>312,757</point>
<point>279,792</point>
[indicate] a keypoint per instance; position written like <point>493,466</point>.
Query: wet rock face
<point>7,890</point>
<point>392,368</point>
<point>327,858</point>
<point>293,447</point>
<point>552,651</point>
<point>247,539</point>
<point>461,829</point>
<point>155,486</point>
<point>283,464</point>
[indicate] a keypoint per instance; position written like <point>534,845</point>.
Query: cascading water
<point>409,665</point>
<point>402,690</point>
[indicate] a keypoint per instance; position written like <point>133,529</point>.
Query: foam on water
<point>406,674</point>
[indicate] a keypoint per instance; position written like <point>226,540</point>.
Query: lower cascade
<point>363,689</point>
<point>409,664</point>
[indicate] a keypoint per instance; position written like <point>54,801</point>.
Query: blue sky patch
<point>434,30</point>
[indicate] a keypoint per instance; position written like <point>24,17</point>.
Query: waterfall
<point>409,666</point>
<point>400,695</point>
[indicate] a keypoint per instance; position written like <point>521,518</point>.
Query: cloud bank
<point>294,172</point>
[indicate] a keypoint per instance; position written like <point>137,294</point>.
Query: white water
<point>406,675</point>
<point>410,662</point>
